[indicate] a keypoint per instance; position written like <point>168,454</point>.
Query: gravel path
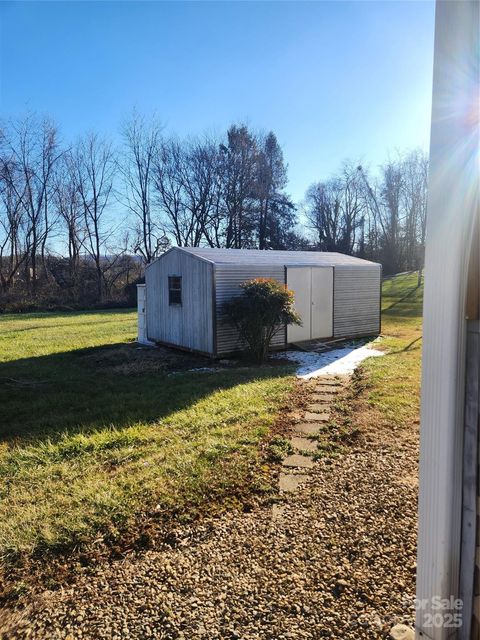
<point>333,559</point>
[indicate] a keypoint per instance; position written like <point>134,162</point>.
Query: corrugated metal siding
<point>227,281</point>
<point>191,324</point>
<point>356,301</point>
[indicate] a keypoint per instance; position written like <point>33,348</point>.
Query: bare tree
<point>13,250</point>
<point>68,202</point>
<point>336,209</point>
<point>169,180</point>
<point>352,206</point>
<point>30,153</point>
<point>397,212</point>
<point>201,187</point>
<point>141,150</point>
<point>415,169</point>
<point>94,171</point>
<point>323,214</point>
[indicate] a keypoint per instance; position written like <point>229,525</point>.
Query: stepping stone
<point>304,444</point>
<point>291,481</point>
<point>331,391</point>
<point>278,511</point>
<point>317,417</point>
<point>322,397</point>
<point>329,381</point>
<point>308,428</point>
<point>303,462</point>
<point>319,407</point>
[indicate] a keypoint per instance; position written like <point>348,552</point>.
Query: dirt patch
<point>133,359</point>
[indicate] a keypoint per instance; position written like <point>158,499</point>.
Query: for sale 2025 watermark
<point>430,613</point>
<point>439,613</point>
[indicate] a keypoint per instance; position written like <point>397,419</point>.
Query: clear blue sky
<point>334,80</point>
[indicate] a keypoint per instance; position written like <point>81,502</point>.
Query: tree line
<point>381,220</point>
<point>79,222</point>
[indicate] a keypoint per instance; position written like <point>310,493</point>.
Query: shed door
<point>313,289</point>
<point>142,320</point>
<point>299,280</point>
<point>322,302</point>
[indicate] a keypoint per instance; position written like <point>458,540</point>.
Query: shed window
<point>174,290</point>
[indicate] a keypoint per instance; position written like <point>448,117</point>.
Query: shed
<point>336,295</point>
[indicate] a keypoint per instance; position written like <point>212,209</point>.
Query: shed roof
<point>267,257</point>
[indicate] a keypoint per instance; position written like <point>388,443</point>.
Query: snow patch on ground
<point>336,362</point>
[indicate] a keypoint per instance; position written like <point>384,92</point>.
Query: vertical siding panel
<point>356,301</point>
<point>191,324</point>
<point>228,278</point>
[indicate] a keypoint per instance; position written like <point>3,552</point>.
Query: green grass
<point>394,380</point>
<point>95,431</point>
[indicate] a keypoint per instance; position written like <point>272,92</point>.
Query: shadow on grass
<point>93,323</point>
<point>116,385</point>
<point>401,303</point>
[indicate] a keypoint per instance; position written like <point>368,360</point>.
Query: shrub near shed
<point>264,307</point>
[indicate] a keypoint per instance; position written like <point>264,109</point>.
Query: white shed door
<point>141,318</point>
<point>299,280</point>
<point>313,289</point>
<point>322,302</point>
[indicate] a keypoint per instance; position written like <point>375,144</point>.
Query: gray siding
<point>200,324</point>
<point>356,301</point>
<point>228,277</point>
<point>191,324</point>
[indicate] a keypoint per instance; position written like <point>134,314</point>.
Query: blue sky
<point>334,80</point>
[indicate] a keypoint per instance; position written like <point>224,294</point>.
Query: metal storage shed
<point>336,295</point>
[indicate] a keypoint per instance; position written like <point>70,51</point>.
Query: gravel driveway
<point>335,559</point>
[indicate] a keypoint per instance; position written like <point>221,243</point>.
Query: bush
<point>264,308</point>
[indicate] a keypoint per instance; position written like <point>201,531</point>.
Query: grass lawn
<point>391,397</point>
<point>95,431</point>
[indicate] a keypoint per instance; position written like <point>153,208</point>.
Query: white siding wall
<point>453,204</point>
<point>228,277</point>
<point>356,301</point>
<point>190,325</point>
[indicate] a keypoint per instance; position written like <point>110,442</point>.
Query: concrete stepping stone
<point>291,481</point>
<point>278,512</point>
<point>303,444</point>
<point>322,397</point>
<point>296,460</point>
<point>330,391</point>
<point>319,407</point>
<point>310,416</point>
<point>308,428</point>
